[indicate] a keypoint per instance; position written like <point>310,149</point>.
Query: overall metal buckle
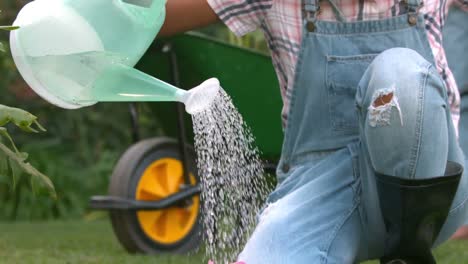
<point>413,12</point>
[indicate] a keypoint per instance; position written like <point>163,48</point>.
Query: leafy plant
<point>12,161</point>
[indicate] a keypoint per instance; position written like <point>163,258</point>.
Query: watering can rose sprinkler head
<point>200,98</point>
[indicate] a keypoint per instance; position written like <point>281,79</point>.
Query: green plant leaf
<point>22,119</point>
<point>9,28</point>
<point>28,168</point>
<point>4,133</point>
<point>3,163</point>
<point>15,172</point>
<point>16,161</point>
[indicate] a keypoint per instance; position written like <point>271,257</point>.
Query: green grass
<point>94,242</point>
<point>71,242</point>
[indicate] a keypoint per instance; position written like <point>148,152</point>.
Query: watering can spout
<point>201,97</point>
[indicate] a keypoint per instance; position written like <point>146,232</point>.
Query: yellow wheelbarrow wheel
<point>152,170</point>
<point>162,178</point>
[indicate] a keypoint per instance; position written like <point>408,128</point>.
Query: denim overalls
<point>456,47</point>
<point>325,208</point>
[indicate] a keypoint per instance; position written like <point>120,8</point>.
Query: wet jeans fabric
<point>355,110</point>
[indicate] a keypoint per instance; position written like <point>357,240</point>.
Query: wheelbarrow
<point>154,190</point>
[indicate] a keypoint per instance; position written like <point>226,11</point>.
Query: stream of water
<point>234,186</point>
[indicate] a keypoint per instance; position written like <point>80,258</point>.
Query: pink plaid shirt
<point>281,21</point>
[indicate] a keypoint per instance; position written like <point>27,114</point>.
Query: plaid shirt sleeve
<point>241,16</point>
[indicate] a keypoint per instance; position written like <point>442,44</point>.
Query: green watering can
<point>75,53</point>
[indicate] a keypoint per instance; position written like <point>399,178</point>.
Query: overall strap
<point>311,8</point>
<point>413,10</point>
<point>414,4</point>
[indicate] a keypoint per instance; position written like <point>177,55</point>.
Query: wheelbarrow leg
<point>134,116</point>
<point>182,138</point>
<point>180,108</point>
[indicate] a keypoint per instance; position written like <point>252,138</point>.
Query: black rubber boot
<point>414,212</point>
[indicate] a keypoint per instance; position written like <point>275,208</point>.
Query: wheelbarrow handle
<point>120,203</point>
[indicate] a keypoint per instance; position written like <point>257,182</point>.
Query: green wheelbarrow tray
<point>246,75</point>
<point>139,191</point>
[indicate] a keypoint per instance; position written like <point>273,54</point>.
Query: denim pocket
<point>343,76</point>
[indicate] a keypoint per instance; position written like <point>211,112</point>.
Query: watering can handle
<point>142,3</point>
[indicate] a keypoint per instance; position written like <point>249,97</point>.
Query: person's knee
<point>405,113</point>
<point>394,67</point>
<point>399,78</point>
